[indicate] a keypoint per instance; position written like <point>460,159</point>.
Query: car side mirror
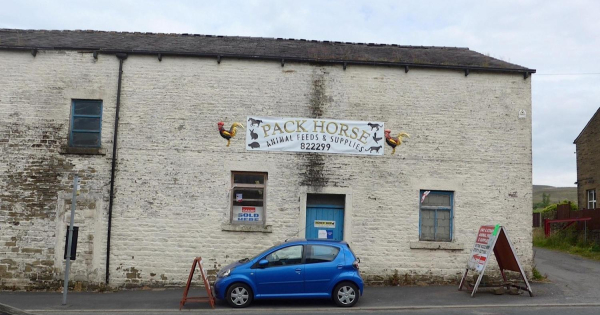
<point>263,263</point>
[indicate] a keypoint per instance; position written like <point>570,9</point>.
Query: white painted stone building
<point>468,116</point>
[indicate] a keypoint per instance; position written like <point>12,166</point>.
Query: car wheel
<point>239,295</point>
<point>346,294</point>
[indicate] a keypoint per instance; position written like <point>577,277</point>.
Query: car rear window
<point>321,253</point>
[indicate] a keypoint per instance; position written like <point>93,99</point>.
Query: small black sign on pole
<point>73,243</point>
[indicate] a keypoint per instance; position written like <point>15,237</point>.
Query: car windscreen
<point>264,252</point>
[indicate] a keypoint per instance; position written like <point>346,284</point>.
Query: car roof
<point>313,240</point>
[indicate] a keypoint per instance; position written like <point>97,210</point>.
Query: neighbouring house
<point>135,116</point>
<point>587,146</point>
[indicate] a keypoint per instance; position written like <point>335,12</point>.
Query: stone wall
<point>588,161</point>
<point>174,170</point>
<point>36,174</point>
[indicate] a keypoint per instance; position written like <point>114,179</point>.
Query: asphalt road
<point>578,278</point>
<point>574,288</point>
<point>484,310</point>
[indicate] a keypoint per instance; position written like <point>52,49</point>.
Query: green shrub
<point>537,275</point>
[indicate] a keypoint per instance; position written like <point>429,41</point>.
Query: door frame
<point>304,191</point>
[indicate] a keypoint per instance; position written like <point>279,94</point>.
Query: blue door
<point>325,221</point>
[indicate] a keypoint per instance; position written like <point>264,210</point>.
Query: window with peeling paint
<point>435,216</point>
<point>86,123</point>
<point>248,192</point>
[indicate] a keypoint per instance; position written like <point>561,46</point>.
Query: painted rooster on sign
<point>392,141</point>
<point>228,134</point>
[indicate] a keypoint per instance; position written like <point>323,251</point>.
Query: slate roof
<point>589,123</point>
<point>255,48</point>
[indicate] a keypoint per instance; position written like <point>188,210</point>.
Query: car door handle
<point>340,266</point>
<point>298,270</point>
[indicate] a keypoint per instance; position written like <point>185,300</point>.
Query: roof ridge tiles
<point>299,49</point>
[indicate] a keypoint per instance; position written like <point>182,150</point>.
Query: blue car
<point>295,269</point>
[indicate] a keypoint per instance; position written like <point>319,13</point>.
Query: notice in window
<point>250,214</point>
<point>322,234</point>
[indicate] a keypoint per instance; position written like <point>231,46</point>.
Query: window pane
<point>436,200</point>
<point>443,226</point>
<point>245,193</point>
<point>240,178</point>
<point>82,123</point>
<point>286,256</point>
<point>591,197</point>
<point>428,225</point>
<point>248,203</point>
<point>87,107</point>
<point>85,139</point>
<point>319,254</point>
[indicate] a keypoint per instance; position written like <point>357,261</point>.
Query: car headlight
<point>226,273</point>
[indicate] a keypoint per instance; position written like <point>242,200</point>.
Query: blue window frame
<point>436,216</point>
<point>86,123</point>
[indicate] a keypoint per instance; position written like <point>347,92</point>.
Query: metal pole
<point>585,231</point>
<point>69,243</point>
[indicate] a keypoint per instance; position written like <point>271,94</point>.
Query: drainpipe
<point>122,58</point>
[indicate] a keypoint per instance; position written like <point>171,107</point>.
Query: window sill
<point>82,151</point>
<point>246,228</point>
<point>436,245</point>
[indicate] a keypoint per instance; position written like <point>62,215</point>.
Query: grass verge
<point>568,241</point>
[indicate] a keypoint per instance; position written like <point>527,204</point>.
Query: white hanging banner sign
<point>315,135</point>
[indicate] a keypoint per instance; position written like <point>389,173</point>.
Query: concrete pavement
<point>375,298</point>
<point>574,283</point>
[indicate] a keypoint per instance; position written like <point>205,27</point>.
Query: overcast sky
<point>560,39</point>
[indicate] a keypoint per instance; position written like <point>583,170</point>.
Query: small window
<point>86,123</point>
<point>320,254</point>
<point>435,217</point>
<point>248,198</point>
<point>286,256</point>
<point>591,199</point>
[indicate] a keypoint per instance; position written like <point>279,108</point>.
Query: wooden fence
<point>565,212</point>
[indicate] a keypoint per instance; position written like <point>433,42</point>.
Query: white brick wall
<point>173,173</point>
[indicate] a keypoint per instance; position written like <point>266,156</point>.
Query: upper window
<point>435,217</point>
<point>86,123</point>
<point>321,253</point>
<point>286,256</point>
<point>248,198</point>
<point>591,199</point>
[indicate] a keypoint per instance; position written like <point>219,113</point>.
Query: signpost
<point>70,239</point>
<point>494,238</point>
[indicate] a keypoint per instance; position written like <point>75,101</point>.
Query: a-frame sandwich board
<point>209,298</point>
<point>494,238</point>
